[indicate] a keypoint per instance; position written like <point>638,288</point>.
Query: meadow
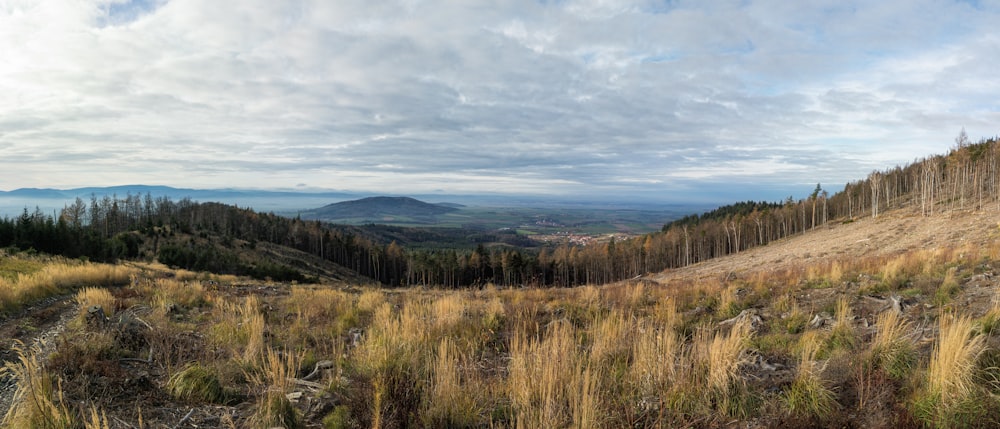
<point>901,340</point>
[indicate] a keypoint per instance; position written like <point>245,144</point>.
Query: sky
<point>652,100</point>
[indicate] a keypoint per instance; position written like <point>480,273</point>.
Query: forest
<point>112,228</point>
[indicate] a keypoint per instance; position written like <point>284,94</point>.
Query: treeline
<point>111,228</point>
<point>968,177</point>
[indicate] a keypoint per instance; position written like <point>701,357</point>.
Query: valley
<point>856,309</point>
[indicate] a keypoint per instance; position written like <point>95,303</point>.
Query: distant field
<point>529,221</point>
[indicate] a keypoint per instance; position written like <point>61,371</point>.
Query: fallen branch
<point>185,419</point>
<point>320,366</point>
<point>301,382</point>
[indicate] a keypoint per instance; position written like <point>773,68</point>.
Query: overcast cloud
<point>664,100</point>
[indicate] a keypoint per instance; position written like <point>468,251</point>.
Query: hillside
<point>892,233</point>
<point>378,209</point>
<point>835,327</point>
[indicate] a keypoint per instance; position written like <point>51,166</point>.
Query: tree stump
<point>96,316</point>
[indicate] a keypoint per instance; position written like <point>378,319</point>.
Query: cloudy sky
<point>643,99</point>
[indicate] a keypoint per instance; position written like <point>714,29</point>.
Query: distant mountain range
<point>380,209</point>
<point>282,202</point>
<point>158,191</point>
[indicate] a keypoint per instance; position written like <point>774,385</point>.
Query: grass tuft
<point>808,396</point>
<point>196,383</point>
<point>38,402</point>
<point>951,396</point>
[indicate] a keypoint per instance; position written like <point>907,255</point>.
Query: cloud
<point>641,98</point>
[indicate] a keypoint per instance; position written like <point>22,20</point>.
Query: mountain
<point>379,209</point>
<point>49,200</point>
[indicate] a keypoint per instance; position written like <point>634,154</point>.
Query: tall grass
<point>55,279</point>
<point>453,399</point>
<point>273,382</point>
<point>951,396</point>
<point>89,297</point>
<point>240,329</point>
<point>543,373</point>
<point>892,348</point>
<point>809,396</point>
<point>655,354</point>
<point>38,401</point>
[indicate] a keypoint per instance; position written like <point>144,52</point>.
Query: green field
<point>529,221</point>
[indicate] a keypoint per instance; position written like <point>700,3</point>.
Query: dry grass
<point>240,330</point>
<point>655,354</point>
<point>724,355</point>
<point>892,348</point>
<point>38,400</point>
<point>453,398</point>
<point>951,396</point>
<point>630,354</point>
<point>90,297</point>
<point>543,372</point>
<point>273,383</point>
<point>57,278</point>
<point>808,396</point>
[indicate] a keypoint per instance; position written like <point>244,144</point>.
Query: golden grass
<point>951,396</point>
<point>655,353</point>
<point>240,329</point>
<point>808,396</point>
<point>89,297</point>
<point>892,347</point>
<point>593,356</point>
<point>451,401</point>
<point>178,294</point>
<point>273,382</point>
<point>58,278</point>
<point>724,355</point>
<point>951,371</point>
<point>38,401</point>
<point>97,420</point>
<point>542,374</point>
<point>612,337</point>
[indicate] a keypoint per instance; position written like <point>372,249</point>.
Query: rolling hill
<point>379,209</point>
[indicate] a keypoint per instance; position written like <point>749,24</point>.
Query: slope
<point>891,233</point>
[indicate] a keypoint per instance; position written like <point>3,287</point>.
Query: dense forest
<point>109,228</point>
